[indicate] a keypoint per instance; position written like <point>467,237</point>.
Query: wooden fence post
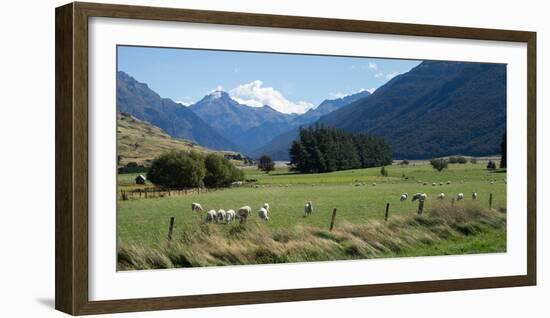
<point>420,206</point>
<point>387,212</point>
<point>332,221</point>
<point>170,229</point>
<point>490,200</point>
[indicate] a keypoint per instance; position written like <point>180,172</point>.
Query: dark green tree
<point>322,149</point>
<point>383,171</point>
<point>266,164</point>
<point>177,169</point>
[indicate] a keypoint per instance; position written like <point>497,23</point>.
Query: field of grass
<point>359,195</point>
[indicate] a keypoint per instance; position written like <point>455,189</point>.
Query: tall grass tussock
<point>257,243</point>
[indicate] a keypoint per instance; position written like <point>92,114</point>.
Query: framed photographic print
<point>210,158</point>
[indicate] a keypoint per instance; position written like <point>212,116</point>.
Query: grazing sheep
<point>441,196</point>
<point>308,208</point>
<point>210,216</point>
<point>492,181</point>
<point>196,207</point>
<point>441,183</point>
<point>404,196</point>
<point>263,214</point>
<point>374,184</point>
<point>244,210</point>
<point>474,195</point>
<point>448,182</point>
<point>229,215</point>
<point>236,183</point>
<point>433,184</point>
<point>460,196</point>
<point>266,206</point>
<point>220,216</point>
<point>242,215</point>
<point>419,197</point>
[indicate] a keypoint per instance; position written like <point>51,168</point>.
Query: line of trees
<point>325,149</point>
<point>181,169</point>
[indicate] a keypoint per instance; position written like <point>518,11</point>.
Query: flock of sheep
<point>423,196</point>
<point>242,214</point>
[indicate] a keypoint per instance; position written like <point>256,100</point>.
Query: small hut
<point>140,179</point>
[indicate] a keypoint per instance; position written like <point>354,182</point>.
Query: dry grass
<point>256,243</point>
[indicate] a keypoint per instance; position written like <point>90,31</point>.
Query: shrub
<point>177,169</point>
<point>439,163</point>
<point>491,165</point>
<point>383,171</point>
<point>461,160</point>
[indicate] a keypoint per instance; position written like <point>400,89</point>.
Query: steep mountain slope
<point>140,142</point>
<point>436,109</point>
<point>234,120</point>
<point>330,105</point>
<point>140,101</point>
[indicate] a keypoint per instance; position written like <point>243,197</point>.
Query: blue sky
<point>289,83</point>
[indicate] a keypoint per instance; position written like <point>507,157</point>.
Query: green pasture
<point>359,195</point>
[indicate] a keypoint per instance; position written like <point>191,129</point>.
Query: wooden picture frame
<point>71,90</point>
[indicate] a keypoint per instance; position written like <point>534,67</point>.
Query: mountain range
<point>435,109</point>
<point>138,100</point>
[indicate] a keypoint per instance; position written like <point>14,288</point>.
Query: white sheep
<point>460,196</point>
<point>374,184</point>
<point>229,215</point>
<point>433,184</point>
<point>220,216</point>
<point>448,182</point>
<point>196,207</point>
<point>210,216</point>
<point>474,195</point>
<point>404,196</point>
<point>308,208</point>
<point>236,183</point>
<point>266,206</point>
<point>441,196</point>
<point>263,214</point>
<point>419,197</point>
<point>243,213</point>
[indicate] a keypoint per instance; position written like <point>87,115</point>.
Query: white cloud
<point>256,95</point>
<point>218,88</point>
<point>337,95</point>
<point>236,70</point>
<point>372,66</point>
<point>371,90</point>
<point>379,74</point>
<point>391,75</point>
<point>184,103</point>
